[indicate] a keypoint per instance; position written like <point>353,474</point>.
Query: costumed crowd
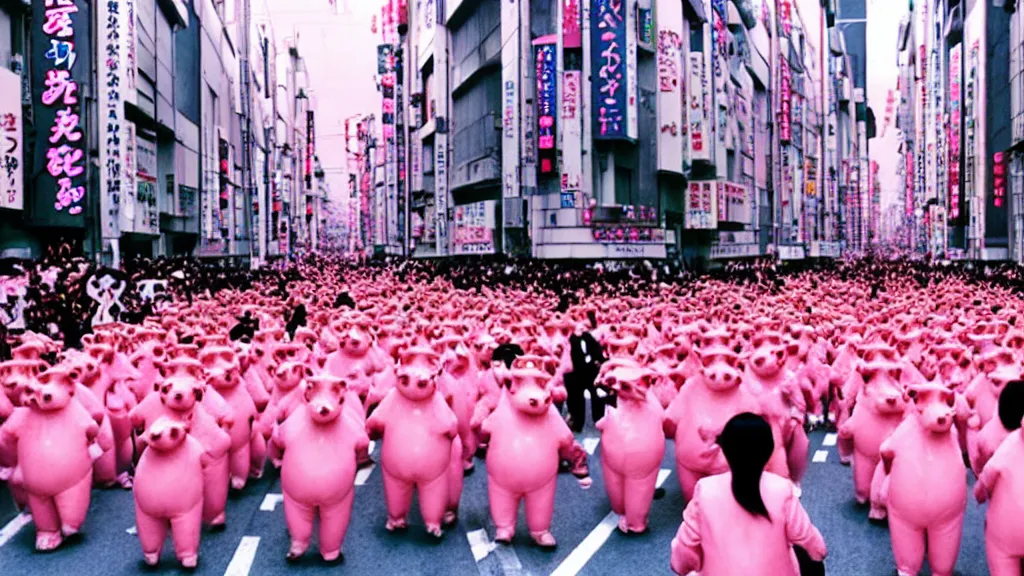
<point>182,381</point>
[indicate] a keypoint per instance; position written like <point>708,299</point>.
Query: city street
<point>256,540</point>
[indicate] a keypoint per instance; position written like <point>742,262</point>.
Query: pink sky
<point>341,54</point>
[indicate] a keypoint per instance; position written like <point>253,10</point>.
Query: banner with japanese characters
<point>609,70</point>
<point>953,137</point>
<point>510,77</point>
<point>572,136</point>
<point>698,96</point>
<point>701,206</point>
<point>12,143</point>
<point>670,68</point>
<point>547,94</point>
<point>129,182</point>
<point>60,78</point>
<point>110,52</point>
<point>473,228</point>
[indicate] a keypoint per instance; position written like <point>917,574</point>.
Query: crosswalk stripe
<point>820,456</point>
<point>363,475</point>
<point>13,527</point>
<point>830,439</point>
<point>579,557</point>
<point>270,502</point>
<point>244,556</point>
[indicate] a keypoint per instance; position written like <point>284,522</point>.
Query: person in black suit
<point>587,357</point>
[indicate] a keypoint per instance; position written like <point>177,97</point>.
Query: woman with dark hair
<point>745,521</point>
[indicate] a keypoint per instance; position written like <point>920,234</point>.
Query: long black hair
<point>747,444</point>
<point>1011,405</point>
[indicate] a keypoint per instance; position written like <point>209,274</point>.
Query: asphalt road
<point>256,540</point>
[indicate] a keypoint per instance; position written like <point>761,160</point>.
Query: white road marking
<point>242,561</point>
<point>586,394</point>
<point>363,475</point>
<point>133,531</point>
<point>270,502</point>
<point>830,439</point>
<point>590,444</point>
<point>373,444</point>
<point>13,527</point>
<point>480,544</point>
<point>820,456</point>
<point>579,557</point>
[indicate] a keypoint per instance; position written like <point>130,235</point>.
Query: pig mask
<point>324,397</point>
<point>52,391</point>
<point>721,368</point>
<point>934,407</point>
<point>528,389</point>
<point>417,382</point>
<point>769,354</point>
<point>181,394</point>
<point>882,388</point>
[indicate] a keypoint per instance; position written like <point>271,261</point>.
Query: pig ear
<point>161,367</point>
<point>88,339</point>
<point>913,393</point>
<point>895,372</point>
<point>793,349</point>
<point>650,379</point>
<point>740,365</point>
<point>308,371</point>
<point>949,398</point>
<point>197,391</point>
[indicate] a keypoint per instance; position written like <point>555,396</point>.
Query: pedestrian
<point>745,521</point>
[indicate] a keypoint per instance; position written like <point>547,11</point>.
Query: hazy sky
<point>341,55</point>
<point>883,27</point>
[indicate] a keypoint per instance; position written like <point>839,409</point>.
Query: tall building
<point>614,129</point>
<point>957,62</point>
<point>146,128</point>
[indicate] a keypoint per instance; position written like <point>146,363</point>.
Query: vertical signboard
<point>697,112</point>
<point>572,138</point>
<point>701,206</point>
<point>609,69</point>
<point>12,179</point>
<point>632,115</point>
<point>953,139</point>
<point>129,56</point>
<point>128,183</point>
<point>147,217</point>
<point>310,147</point>
<point>547,90</point>
<point>441,142</point>
<point>110,50</point>
<point>785,98</point>
<point>60,74</point>
<point>670,104</point>
<point>572,34</point>
<point>510,77</point>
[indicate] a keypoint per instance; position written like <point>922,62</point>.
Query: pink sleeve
<point>991,470</point>
<point>686,546</point>
<point>801,532</point>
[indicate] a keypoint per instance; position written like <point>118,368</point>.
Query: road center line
<point>821,456</point>
<point>590,444</point>
<point>579,557</point>
<point>830,439</point>
<point>270,502</point>
<point>244,556</point>
<point>13,527</point>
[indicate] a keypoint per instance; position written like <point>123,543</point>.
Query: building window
<point>623,186</point>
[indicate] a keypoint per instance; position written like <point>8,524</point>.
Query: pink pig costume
<point>633,446</point>
<point>525,439</point>
<point>421,447</point>
<point>53,438</point>
<point>1002,482</point>
<point>925,488</point>
<point>169,491</point>
<point>317,447</point>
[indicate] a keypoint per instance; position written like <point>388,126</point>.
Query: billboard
<point>701,206</point>
<point>510,77</point>
<point>670,105</point>
<point>953,137</point>
<point>609,54</point>
<point>572,134</point>
<point>786,96</point>
<point>110,54</point>
<point>699,142</point>
<point>547,90</point>
<point>12,179</point>
<point>473,228</point>
<point>60,76</point>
